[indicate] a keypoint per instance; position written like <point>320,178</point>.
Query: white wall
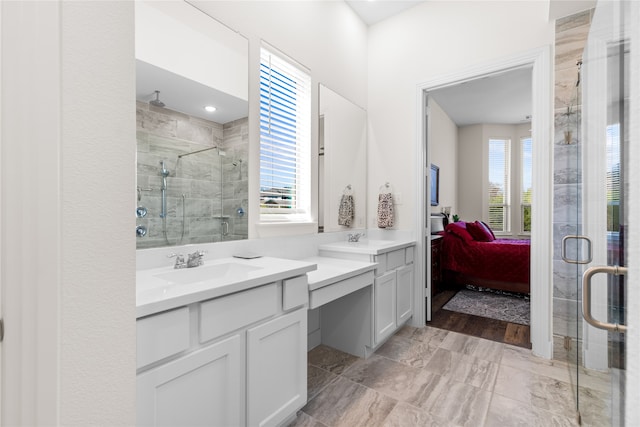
<point>97,340</point>
<point>420,44</point>
<point>68,261</point>
<point>324,36</point>
<point>443,146</point>
<point>473,168</point>
<point>176,37</point>
<point>470,172</point>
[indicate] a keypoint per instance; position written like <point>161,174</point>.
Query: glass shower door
<point>605,166</point>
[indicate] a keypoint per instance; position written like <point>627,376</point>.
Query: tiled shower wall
<point>204,190</point>
<point>571,37</point>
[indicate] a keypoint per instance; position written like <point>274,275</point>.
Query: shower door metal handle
<point>586,296</point>
<point>565,239</point>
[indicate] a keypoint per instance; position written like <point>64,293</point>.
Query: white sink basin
<point>225,272</point>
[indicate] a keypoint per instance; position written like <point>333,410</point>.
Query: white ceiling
<point>374,11</point>
<point>504,98</point>
<point>187,96</point>
<point>371,11</point>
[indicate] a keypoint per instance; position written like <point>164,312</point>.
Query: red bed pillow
<point>493,236</point>
<point>480,231</point>
<point>459,229</point>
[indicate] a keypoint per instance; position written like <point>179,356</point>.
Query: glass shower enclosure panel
<point>594,244</point>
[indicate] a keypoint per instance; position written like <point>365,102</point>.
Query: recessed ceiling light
<point>210,108</point>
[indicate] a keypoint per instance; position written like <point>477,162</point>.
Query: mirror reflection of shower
<point>198,66</point>
<point>164,173</point>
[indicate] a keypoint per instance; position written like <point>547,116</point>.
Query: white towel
<point>385,210</point>
<point>346,210</point>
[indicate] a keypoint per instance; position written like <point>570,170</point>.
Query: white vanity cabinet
<point>392,293</point>
<point>391,300</point>
<point>384,296</point>
<point>276,369</point>
<point>201,388</point>
<point>404,294</point>
<point>235,360</point>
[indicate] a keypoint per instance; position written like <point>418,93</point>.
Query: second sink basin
<point>208,272</point>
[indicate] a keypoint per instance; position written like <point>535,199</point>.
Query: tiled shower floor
<point>433,377</point>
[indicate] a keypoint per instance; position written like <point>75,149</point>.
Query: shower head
<point>156,102</point>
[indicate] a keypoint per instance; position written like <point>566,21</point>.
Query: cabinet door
<point>202,388</point>
<point>384,295</point>
<point>404,294</point>
<point>277,369</point>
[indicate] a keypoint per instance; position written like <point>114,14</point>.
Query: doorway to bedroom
<point>479,141</point>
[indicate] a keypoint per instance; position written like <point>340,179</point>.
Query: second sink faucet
<point>195,259</point>
<point>355,237</point>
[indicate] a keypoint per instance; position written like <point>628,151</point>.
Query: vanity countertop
<point>332,270</point>
<point>367,246</point>
<point>165,288</point>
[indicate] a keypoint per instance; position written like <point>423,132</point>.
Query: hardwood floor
<point>483,327</point>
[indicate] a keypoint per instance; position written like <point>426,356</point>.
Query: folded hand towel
<point>385,210</point>
<point>346,210</point>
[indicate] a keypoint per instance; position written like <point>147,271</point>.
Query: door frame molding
<point>542,201</point>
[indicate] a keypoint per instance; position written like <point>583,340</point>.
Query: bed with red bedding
<point>471,255</point>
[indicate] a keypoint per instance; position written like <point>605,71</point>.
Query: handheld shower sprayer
<point>164,172</point>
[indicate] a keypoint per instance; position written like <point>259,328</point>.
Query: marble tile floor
<point>433,377</point>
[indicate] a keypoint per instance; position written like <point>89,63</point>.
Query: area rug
<point>513,309</point>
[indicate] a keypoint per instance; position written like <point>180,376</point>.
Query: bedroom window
<point>285,139</point>
<point>499,191</point>
<point>613,178</point>
<point>526,179</point>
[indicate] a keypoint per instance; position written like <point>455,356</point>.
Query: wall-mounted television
<point>435,185</point>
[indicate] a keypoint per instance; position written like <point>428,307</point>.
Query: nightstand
<point>436,271</point>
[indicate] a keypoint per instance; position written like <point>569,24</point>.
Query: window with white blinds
<point>285,139</point>
<point>498,189</point>
<point>526,180</point>
<point>613,177</point>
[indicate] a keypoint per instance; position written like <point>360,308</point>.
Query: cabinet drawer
<point>408,255</point>
<point>162,335</point>
<point>220,316</point>
<point>382,264</point>
<point>295,292</point>
<point>395,259</point>
<point>339,289</point>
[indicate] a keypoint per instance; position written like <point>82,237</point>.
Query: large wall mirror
<point>192,127</point>
<point>342,167</point>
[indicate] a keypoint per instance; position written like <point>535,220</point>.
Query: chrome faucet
<point>179,260</point>
<point>195,259</point>
<point>355,237</point>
